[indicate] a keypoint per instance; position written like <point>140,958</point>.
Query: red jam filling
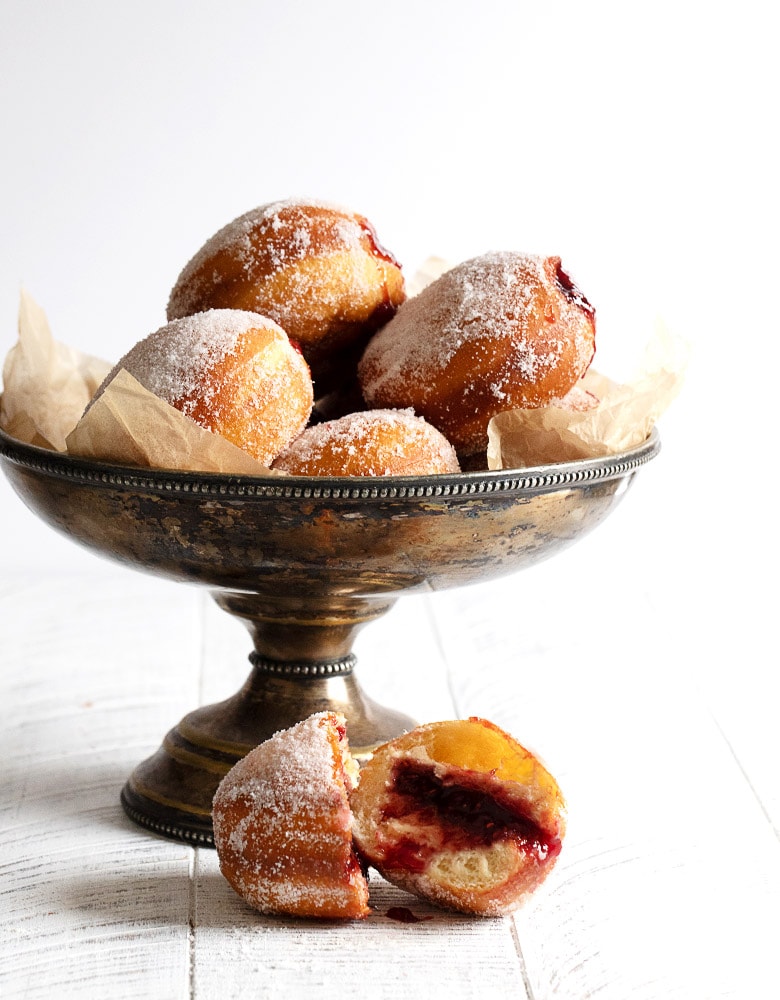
<point>572,292</point>
<point>470,809</point>
<point>376,247</point>
<point>384,310</point>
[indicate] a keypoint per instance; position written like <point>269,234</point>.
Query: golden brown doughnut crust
<point>234,373</point>
<point>283,826</point>
<point>370,443</point>
<point>502,331</point>
<point>318,270</point>
<point>461,814</point>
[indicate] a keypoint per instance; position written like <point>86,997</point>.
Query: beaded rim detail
<point>538,479</point>
<point>172,831</point>
<point>278,668</point>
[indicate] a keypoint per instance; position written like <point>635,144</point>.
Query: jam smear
<point>404,915</point>
<point>468,814</point>
<point>408,856</point>
<point>572,292</point>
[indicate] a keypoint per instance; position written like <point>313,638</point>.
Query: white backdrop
<point>638,142</point>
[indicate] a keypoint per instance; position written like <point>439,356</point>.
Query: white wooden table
<point>646,691</point>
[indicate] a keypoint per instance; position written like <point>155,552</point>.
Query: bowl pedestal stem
<point>302,663</point>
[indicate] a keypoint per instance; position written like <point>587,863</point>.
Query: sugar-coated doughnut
<point>234,373</point>
<point>318,270</point>
<point>578,399</point>
<point>283,825</point>
<point>502,331</point>
<point>370,443</point>
<point>461,814</point>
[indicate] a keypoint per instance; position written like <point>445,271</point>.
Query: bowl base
<point>171,792</point>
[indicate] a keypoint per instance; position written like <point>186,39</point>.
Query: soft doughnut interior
<point>461,814</point>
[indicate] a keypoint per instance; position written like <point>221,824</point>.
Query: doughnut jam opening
<point>457,811</point>
<point>571,291</point>
<point>376,247</point>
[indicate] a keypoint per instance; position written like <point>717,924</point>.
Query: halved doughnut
<point>283,825</point>
<point>461,814</point>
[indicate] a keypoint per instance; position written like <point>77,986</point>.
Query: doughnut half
<point>370,443</point>
<point>318,270</point>
<point>283,826</point>
<point>500,332</point>
<point>234,373</point>
<point>461,814</point>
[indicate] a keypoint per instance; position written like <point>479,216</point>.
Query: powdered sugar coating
<point>370,443</point>
<point>174,361</point>
<point>316,269</point>
<point>233,372</point>
<point>500,331</point>
<point>277,231</point>
<point>282,823</point>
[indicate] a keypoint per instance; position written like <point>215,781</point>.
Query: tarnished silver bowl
<point>305,563</point>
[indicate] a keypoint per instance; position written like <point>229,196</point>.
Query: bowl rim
<point>529,479</point>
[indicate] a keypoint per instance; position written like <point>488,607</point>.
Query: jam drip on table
<point>470,809</point>
<point>404,915</point>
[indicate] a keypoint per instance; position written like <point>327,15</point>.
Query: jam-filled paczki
<point>457,813</point>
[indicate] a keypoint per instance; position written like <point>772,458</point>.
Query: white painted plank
<point>95,668</point>
<point>400,664</point>
<point>669,883</point>
<point>721,635</point>
<point>666,834</point>
<point>442,955</point>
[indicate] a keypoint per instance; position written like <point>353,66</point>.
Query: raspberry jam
<point>376,247</point>
<point>469,809</point>
<point>404,915</point>
<point>572,292</point>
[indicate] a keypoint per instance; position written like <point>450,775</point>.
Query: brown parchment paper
<point>128,424</point>
<point>46,384</point>
<point>623,418</point>
<point>47,387</point>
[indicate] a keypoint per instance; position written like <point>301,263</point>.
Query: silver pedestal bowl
<point>304,563</point>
